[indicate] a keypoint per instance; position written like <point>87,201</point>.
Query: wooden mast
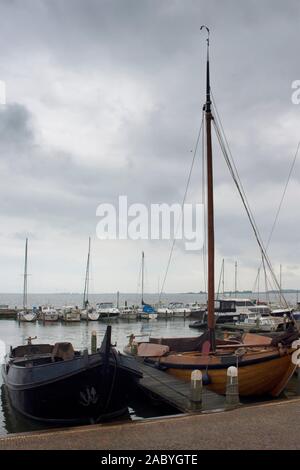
<point>210,210</point>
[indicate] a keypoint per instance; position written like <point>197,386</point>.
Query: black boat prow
<point>55,383</point>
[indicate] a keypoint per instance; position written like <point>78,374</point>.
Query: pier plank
<point>175,392</point>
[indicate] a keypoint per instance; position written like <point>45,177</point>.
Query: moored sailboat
<point>26,315</point>
<point>145,311</point>
<point>265,365</point>
<point>88,312</point>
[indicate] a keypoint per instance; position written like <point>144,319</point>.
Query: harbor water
<point>79,334</point>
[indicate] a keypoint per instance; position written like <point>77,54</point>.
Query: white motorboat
<point>107,310</point>
<point>197,310</point>
<point>281,312</point>
<point>71,313</point>
<point>48,314</point>
<point>128,313</point>
<point>163,311</point>
<point>254,321</point>
<point>179,309</point>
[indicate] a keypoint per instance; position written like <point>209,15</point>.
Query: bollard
<point>298,382</point>
<point>232,388</point>
<point>94,342</point>
<point>132,345</point>
<point>196,390</point>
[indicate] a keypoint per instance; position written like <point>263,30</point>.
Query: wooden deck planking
<point>175,392</point>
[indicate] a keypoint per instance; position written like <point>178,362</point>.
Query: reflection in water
<point>11,419</point>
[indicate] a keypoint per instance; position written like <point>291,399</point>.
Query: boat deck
<point>175,392</point>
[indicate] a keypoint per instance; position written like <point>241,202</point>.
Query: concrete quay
<point>271,425</point>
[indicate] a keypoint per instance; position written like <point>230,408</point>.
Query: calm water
<point>79,335</point>
<point>58,300</point>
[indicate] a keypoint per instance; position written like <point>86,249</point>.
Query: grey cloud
<point>254,49</point>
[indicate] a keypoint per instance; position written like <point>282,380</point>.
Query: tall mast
<point>280,283</point>
<point>210,209</point>
<point>235,278</point>
<point>143,263</point>
<point>87,276</point>
<point>223,278</point>
<point>25,278</point>
<point>258,284</point>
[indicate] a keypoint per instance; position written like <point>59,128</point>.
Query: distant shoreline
<point>226,293</point>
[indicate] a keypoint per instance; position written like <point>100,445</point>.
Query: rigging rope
<point>234,173</point>
<point>183,202</point>
<point>281,200</point>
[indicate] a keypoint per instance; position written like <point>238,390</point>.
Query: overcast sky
<point>105,97</point>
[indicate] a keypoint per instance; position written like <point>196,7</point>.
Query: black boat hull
<point>85,389</point>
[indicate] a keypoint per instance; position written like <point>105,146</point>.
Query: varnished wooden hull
<point>257,376</point>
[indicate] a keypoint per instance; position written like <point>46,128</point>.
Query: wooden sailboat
<point>264,365</point>
<point>26,315</point>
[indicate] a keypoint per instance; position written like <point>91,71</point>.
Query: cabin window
<point>246,303</point>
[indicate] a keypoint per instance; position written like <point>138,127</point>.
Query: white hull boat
<point>165,312</point>
<point>127,313</point>
<point>49,314</point>
<point>71,314</point>
<point>179,310</point>
<point>93,315</point>
<point>107,310</point>
<point>27,316</point>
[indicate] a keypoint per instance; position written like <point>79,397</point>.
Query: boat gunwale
<point>114,362</point>
<point>206,366</point>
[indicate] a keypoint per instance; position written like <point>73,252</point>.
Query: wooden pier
<point>7,313</point>
<point>175,392</point>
